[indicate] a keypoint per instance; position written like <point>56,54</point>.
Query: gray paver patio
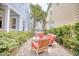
<point>57,50</point>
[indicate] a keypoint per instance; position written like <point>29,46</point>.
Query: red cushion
<point>35,44</point>
<point>40,35</point>
<point>44,37</point>
<point>50,37</point>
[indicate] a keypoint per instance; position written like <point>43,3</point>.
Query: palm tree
<point>44,21</point>
<point>37,14</point>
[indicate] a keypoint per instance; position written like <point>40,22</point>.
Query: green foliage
<point>61,32</point>
<point>70,43</point>
<point>76,31</point>
<point>68,35</point>
<point>38,15</point>
<point>37,12</point>
<point>77,51</point>
<point>12,40</point>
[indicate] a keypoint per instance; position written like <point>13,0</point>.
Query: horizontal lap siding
<point>23,10</point>
<point>65,13</point>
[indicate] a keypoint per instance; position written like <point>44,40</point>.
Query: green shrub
<point>77,51</point>
<point>12,40</point>
<point>67,35</point>
<point>76,31</point>
<point>61,32</point>
<point>70,43</point>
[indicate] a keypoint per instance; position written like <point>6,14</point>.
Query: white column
<point>7,19</point>
<point>21,24</point>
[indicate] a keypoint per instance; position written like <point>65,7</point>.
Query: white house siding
<point>24,14</point>
<point>63,13</point>
<point>2,14</point>
<point>22,10</point>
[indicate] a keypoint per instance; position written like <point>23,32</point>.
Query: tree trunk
<point>44,25</point>
<point>34,23</point>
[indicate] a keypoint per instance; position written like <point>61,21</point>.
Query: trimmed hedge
<point>68,36</point>
<point>76,31</point>
<point>12,40</point>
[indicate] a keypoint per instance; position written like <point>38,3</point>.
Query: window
<point>0,22</point>
<point>2,10</point>
<point>23,25</point>
<point>14,23</point>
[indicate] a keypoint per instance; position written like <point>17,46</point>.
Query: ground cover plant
<point>10,41</point>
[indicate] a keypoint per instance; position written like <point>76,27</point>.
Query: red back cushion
<point>40,35</point>
<point>50,37</point>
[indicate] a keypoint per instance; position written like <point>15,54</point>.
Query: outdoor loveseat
<point>42,41</point>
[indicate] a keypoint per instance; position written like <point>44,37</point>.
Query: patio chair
<point>40,46</point>
<point>51,38</point>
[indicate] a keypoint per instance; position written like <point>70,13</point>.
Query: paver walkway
<point>25,50</point>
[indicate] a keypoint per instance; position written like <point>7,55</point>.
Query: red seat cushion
<point>35,44</point>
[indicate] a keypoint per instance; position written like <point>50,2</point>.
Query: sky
<point>43,5</point>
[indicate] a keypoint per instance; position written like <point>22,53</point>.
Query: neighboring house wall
<point>63,13</point>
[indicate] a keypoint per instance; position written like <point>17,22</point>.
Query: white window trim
<point>11,22</point>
